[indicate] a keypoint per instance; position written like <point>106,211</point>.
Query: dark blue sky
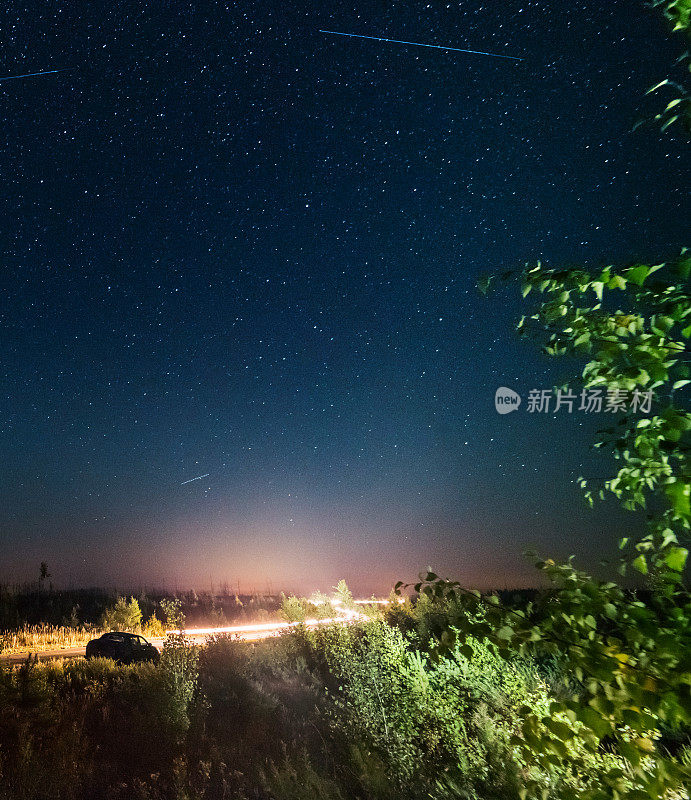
<point>234,245</point>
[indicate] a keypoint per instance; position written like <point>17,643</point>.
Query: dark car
<point>125,648</point>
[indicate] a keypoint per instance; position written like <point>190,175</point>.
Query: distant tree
<point>43,574</point>
<point>123,616</point>
<point>73,621</point>
<point>153,627</point>
<point>216,615</point>
<point>174,615</point>
<point>343,594</point>
<point>292,609</point>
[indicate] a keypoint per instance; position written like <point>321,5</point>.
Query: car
<point>123,648</point>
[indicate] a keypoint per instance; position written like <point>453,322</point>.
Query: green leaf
<point>669,122</point>
<point>638,274</point>
<point>591,719</point>
<point>467,651</point>
<point>560,729</point>
<point>616,282</point>
<point>683,266</point>
<point>657,86</point>
<point>678,494</point>
<point>640,564</point>
<point>483,283</point>
<point>676,558</point>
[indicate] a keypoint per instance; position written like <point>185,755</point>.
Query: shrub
<point>293,609</point>
<point>153,627</point>
<point>179,667</point>
<point>343,596</point>
<point>295,778</point>
<point>123,616</point>
<point>438,728</point>
<point>174,615</point>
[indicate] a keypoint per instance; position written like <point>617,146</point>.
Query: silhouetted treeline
<point>64,607</point>
<point>35,605</point>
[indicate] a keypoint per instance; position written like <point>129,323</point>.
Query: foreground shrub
<point>179,671</point>
<point>79,729</point>
<point>437,727</point>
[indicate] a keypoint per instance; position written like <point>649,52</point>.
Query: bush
<point>123,616</point>
<point>179,667</point>
<point>154,628</point>
<point>293,609</point>
<point>434,728</point>
<point>358,711</point>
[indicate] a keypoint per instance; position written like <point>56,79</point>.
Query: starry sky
<point>236,247</point>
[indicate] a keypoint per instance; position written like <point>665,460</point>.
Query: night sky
<point>234,245</point>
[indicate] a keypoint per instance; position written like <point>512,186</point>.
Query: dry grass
<point>37,638</point>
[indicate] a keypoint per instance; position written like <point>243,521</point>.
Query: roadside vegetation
<point>341,711</point>
<point>367,710</point>
<point>78,616</point>
<point>150,616</point>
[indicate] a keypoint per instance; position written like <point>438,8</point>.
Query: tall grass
<point>38,638</point>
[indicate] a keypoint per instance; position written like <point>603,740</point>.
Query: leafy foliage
<point>633,325</point>
<point>630,661</point>
<point>179,662</point>
<point>293,609</point>
<point>630,656</point>
<point>343,595</point>
<point>123,616</point>
<point>413,722</point>
<point>678,109</point>
<point>299,609</point>
<point>173,613</point>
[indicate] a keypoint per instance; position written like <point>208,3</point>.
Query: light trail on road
<point>263,630</point>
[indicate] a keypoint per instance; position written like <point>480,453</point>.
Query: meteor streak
<point>31,74</point>
<point>421,44</point>
<point>198,478</point>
